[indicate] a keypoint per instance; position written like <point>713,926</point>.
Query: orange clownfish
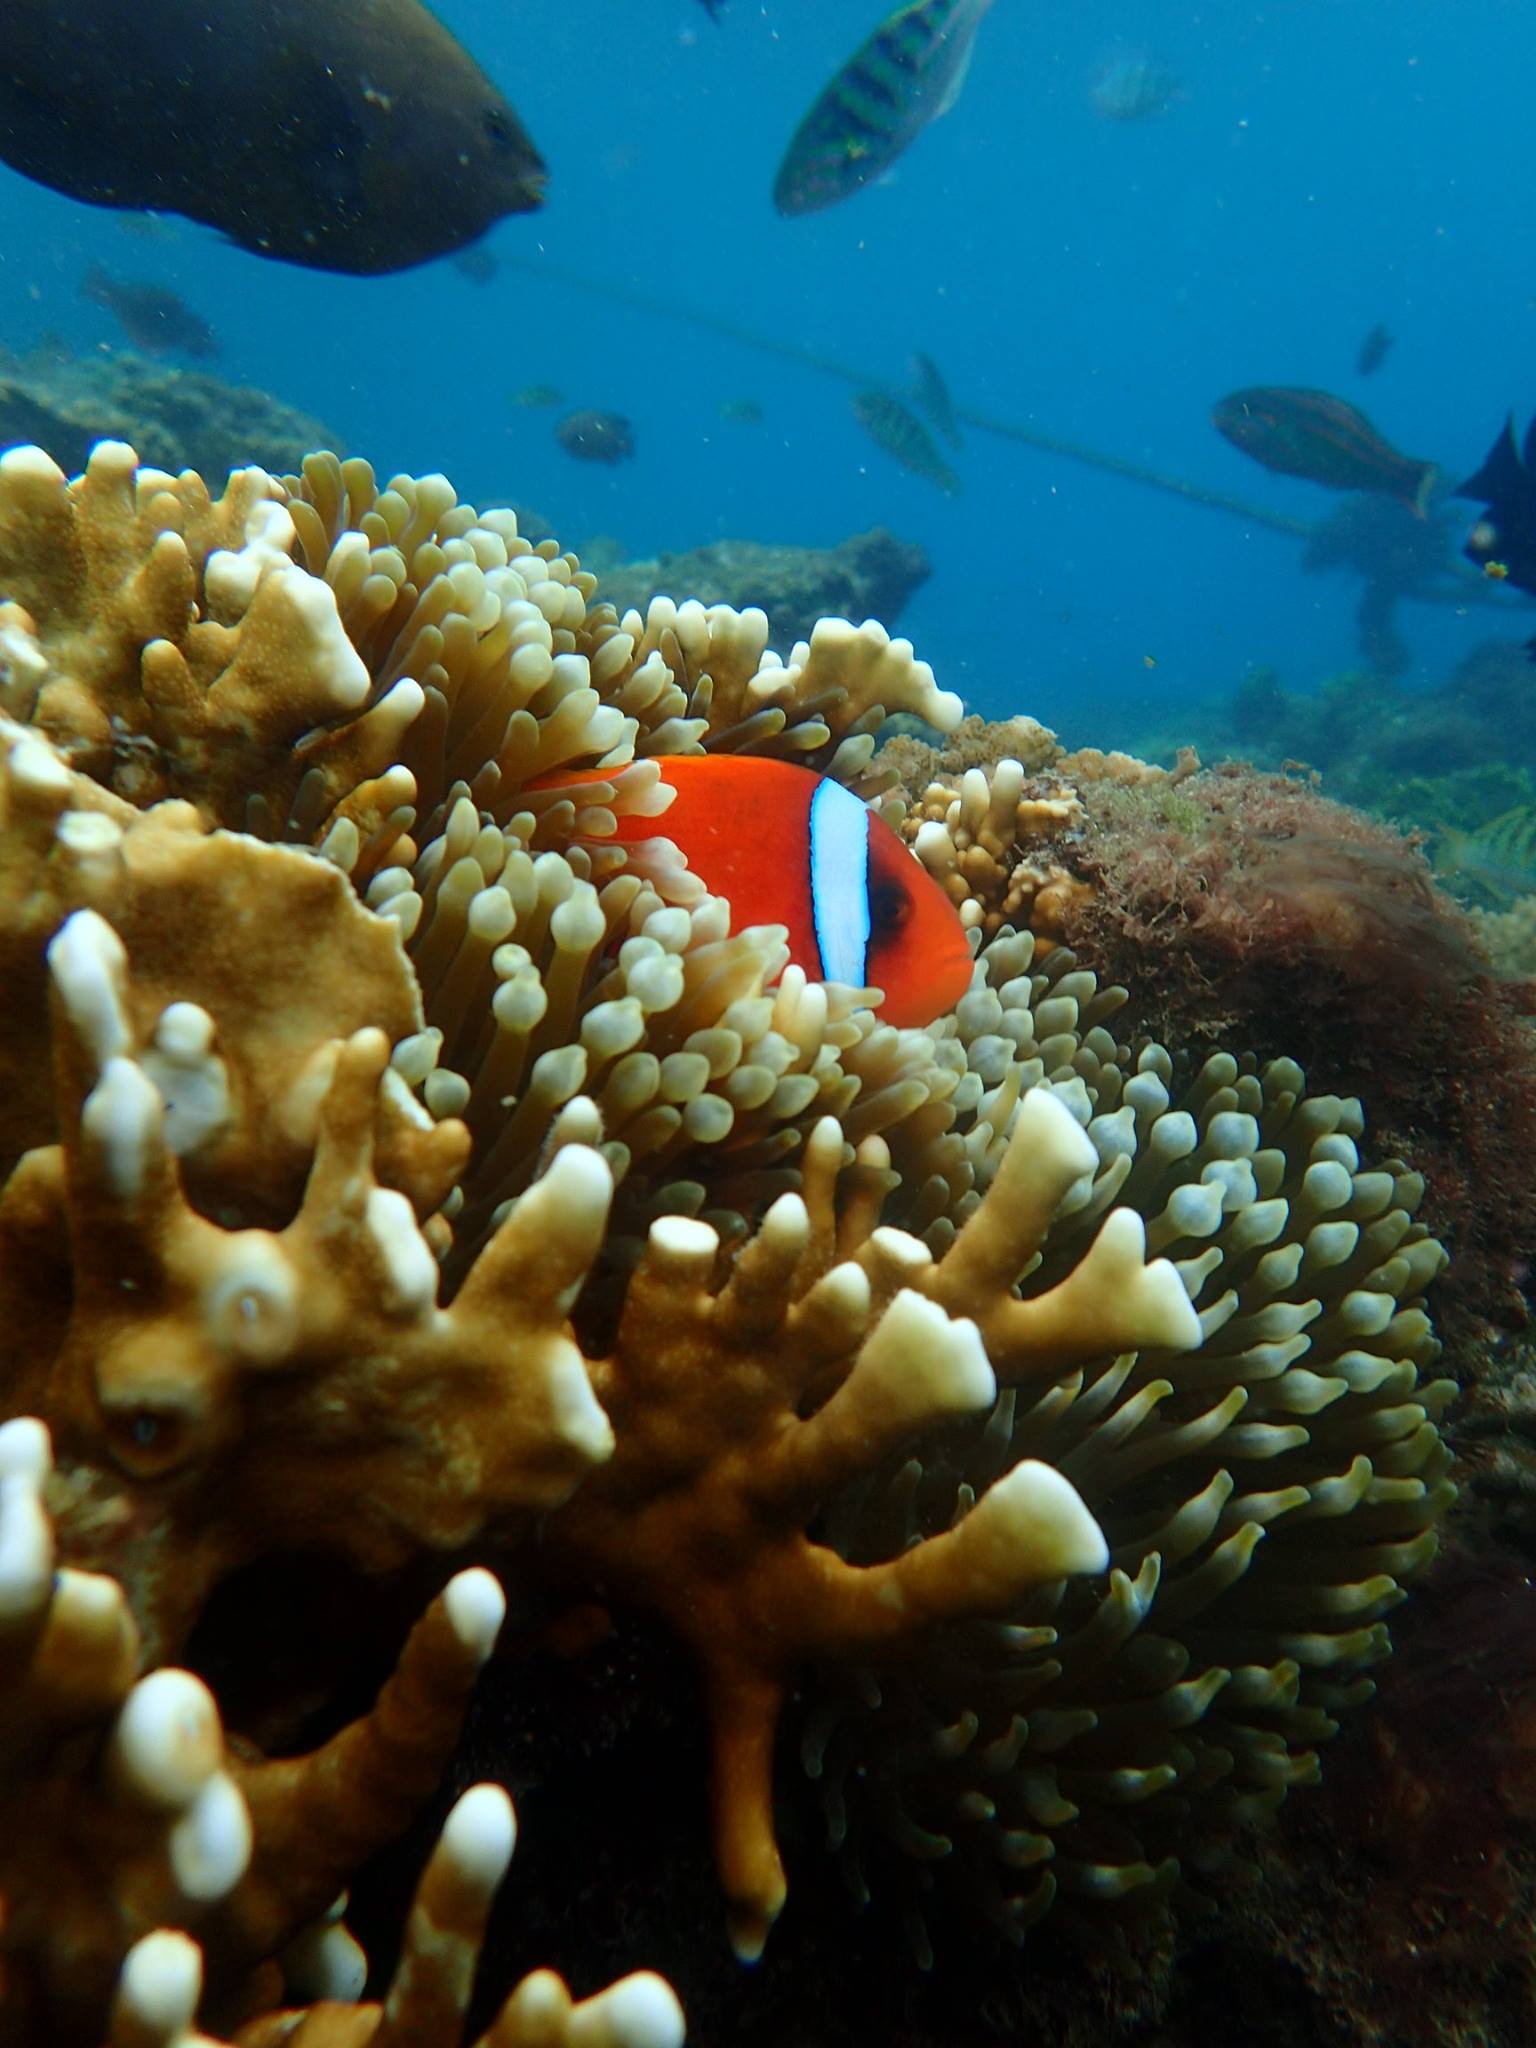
<point>788,846</point>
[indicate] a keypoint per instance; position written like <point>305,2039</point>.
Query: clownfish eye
<point>889,910</point>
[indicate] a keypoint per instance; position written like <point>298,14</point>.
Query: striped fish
<point>896,428</point>
<point>908,73</point>
<point>1500,857</point>
<point>1325,439</point>
<point>931,395</point>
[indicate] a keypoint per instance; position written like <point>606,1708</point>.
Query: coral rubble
<point>403,1177</point>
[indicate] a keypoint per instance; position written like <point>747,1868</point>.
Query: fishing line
<point>1469,588</point>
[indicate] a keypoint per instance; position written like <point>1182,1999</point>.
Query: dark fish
<point>931,395</point>
<point>712,8</point>
<point>152,316</point>
<point>1133,88</point>
<point>908,73</point>
<point>596,436</point>
<point>893,426</point>
<point>1314,435</point>
<point>1503,542</point>
<point>1374,350</point>
<point>344,136</point>
<point>1506,534</point>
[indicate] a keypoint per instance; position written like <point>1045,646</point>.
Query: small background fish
<point>1374,350</point>
<point>893,426</point>
<point>593,436</point>
<point>152,316</point>
<point>1499,858</point>
<point>931,394</point>
<point>1134,88</point>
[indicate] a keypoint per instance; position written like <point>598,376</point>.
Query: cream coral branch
<point>301,1385</point>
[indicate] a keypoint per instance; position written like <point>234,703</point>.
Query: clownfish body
<point>788,846</point>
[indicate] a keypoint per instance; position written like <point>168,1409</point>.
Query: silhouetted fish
<point>1374,350</point>
<point>1314,435</point>
<point>352,135</point>
<point>152,316</point>
<point>1506,484</point>
<point>596,436</point>
<point>1133,88</point>
<point>476,262</point>
<point>897,429</point>
<point>908,73</point>
<point>932,396</point>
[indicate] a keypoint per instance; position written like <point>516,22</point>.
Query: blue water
<point>1330,164</point>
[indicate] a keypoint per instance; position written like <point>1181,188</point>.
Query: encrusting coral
<point>396,1163</point>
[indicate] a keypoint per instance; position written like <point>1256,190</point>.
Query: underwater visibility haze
<point>769,1077</point>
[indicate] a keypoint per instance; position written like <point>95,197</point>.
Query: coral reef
<point>1250,907</point>
<point>405,1177</point>
<point>1454,755</point>
<point>869,576</point>
<point>177,418</point>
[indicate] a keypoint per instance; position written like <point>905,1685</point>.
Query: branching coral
<point>394,1161</point>
<point>428,1997</point>
<point>297,1386</point>
<point>743,1408</point>
<point>124,1809</point>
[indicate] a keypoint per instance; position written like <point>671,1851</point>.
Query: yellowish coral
<point>407,1162</point>
<point>744,1399</point>
<point>428,1997</point>
<point>149,1820</point>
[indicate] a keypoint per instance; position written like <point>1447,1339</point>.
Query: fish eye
<point>497,127</point>
<point>889,909</point>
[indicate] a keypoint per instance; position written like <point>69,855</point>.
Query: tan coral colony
<point>397,1169</point>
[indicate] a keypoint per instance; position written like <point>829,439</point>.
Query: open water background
<point>1331,163</point>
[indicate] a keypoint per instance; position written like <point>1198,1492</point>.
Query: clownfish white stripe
<point>840,882</point>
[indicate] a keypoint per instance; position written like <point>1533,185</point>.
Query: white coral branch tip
<point>925,1366</point>
<point>476,1608</point>
<point>479,1836</point>
<point>1038,1516</point>
<point>26,1534</point>
<point>158,1989</point>
<point>167,1741</point>
<point>210,1846</point>
<point>640,2011</point>
<point>88,962</point>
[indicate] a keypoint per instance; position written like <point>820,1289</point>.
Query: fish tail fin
<point>1425,490</point>
<point>1449,844</point>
